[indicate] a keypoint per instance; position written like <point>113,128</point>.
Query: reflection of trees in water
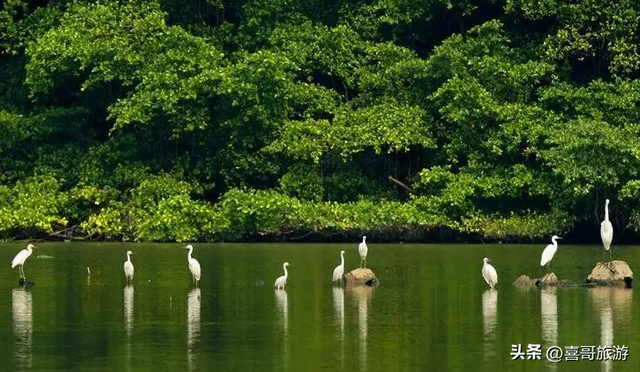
<point>362,294</point>
<point>22,310</point>
<point>489,322</point>
<point>193,326</point>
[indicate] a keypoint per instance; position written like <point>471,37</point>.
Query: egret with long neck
<point>549,252</point>
<point>363,250</point>
<point>489,273</point>
<point>282,280</point>
<point>339,270</point>
<point>194,265</point>
<point>21,257</point>
<point>128,267</point>
<point>606,230</point>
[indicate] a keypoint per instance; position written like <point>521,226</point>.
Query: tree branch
<point>401,184</point>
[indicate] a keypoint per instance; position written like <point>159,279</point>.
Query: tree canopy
<point>283,119</point>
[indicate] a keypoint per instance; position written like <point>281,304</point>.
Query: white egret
<point>606,229</point>
<point>21,257</point>
<point>282,280</point>
<point>549,251</point>
<point>194,265</point>
<point>128,267</point>
<point>489,273</point>
<point>363,249</point>
<point>339,270</point>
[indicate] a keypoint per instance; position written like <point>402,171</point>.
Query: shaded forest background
<point>423,120</point>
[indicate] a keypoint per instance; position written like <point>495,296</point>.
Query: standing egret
<point>21,257</point>
<point>339,270</point>
<point>363,249</point>
<point>489,273</point>
<point>128,267</point>
<point>606,230</point>
<point>549,251</point>
<point>194,265</point>
<point>281,281</point>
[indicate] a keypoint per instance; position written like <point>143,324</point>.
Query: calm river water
<point>432,310</point>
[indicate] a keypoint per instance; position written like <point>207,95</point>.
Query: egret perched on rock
<point>489,273</point>
<point>362,250</point>
<point>339,270</point>
<point>194,265</point>
<point>606,229</point>
<point>21,257</point>
<point>549,251</point>
<point>282,280</point>
<point>128,267</point>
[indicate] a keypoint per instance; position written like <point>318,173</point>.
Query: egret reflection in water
<point>549,319</point>
<point>283,308</point>
<point>338,306</point>
<point>489,321</point>
<point>22,311</point>
<point>362,294</point>
<point>549,315</point>
<point>128,309</point>
<point>128,319</point>
<point>193,326</point>
<point>606,332</point>
<point>602,298</point>
<point>282,302</point>
<point>613,303</point>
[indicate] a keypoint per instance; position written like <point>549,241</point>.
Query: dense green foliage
<point>155,120</point>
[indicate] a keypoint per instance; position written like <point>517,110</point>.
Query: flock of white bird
<point>338,272</point>
<point>194,265</point>
<point>490,274</point>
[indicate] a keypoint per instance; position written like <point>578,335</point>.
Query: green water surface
<point>432,311</point>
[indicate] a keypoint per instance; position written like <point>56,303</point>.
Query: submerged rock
<point>361,276</point>
<point>550,280</point>
<point>611,273</point>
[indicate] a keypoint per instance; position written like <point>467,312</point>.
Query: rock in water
<point>547,279</point>
<point>362,277</point>
<point>550,279</point>
<point>524,281</point>
<point>614,272</point>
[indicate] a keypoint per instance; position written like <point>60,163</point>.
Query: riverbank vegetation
<point>282,119</point>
